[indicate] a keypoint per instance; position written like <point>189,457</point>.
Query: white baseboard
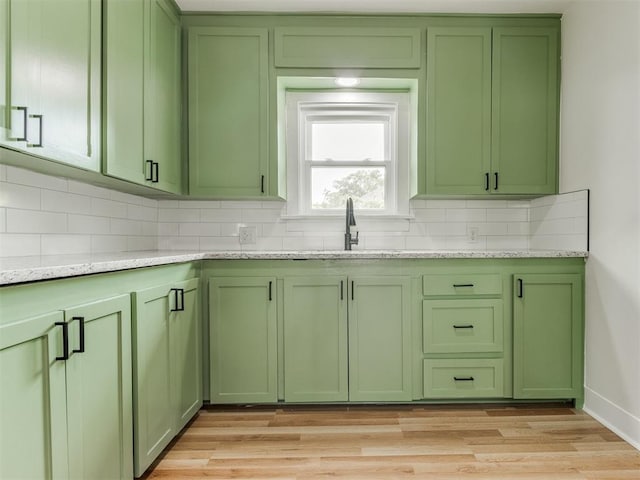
<point>613,417</point>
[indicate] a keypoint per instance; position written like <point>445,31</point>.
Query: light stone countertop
<point>15,270</point>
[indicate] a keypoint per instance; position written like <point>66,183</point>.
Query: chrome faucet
<point>351,222</point>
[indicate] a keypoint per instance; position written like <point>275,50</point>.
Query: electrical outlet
<point>247,235</point>
<point>472,234</point>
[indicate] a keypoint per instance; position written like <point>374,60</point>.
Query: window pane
<point>347,141</point>
<point>330,187</point>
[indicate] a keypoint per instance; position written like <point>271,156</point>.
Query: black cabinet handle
<point>261,183</point>
<point>270,284</point>
<point>341,289</point>
<point>486,181</point>
<point>155,172</point>
<point>178,305</point>
<point>495,175</point>
<point>25,115</point>
<point>149,178</point>
<point>461,285</point>
<point>65,340</point>
<point>81,335</point>
<point>463,326</point>
<point>520,288</point>
<point>352,288</point>
<point>463,379</point>
<point>39,144</point>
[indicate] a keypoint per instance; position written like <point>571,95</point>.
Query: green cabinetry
<point>315,339</point>
<point>142,93</point>
<point>548,336</point>
<point>65,376</point>
<point>167,366</point>
<point>492,108</point>
<point>50,103</point>
<point>243,339</point>
<point>229,113</point>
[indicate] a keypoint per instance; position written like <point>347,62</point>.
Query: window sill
<point>359,216</point>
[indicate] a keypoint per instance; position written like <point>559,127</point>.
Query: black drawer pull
<point>459,285</point>
<point>463,379</point>
<point>178,300</point>
<point>520,290</point>
<point>270,295</point>
<point>80,348</point>
<point>463,326</point>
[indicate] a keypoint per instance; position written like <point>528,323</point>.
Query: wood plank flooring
<point>552,442</point>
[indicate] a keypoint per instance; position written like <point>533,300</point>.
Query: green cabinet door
<point>142,92</point>
<point>33,416</point>
<point>186,351</point>
<point>547,336</point>
<point>162,92</point>
<point>458,110</point>
<point>315,339</point>
<point>228,112</point>
<point>99,403</point>
<point>243,339</point>
<point>380,339</point>
<point>152,390</point>
<point>525,95</point>
<point>52,84</point>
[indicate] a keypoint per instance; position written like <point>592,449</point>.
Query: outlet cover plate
<point>247,235</point>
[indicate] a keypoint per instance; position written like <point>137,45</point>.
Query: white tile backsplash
<point>49,215</point>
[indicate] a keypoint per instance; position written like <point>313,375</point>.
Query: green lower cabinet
<point>166,373</point>
<point>463,378</point>
<point>380,339</point>
<point>548,336</point>
<point>243,340</point>
<point>65,376</point>
<point>315,339</point>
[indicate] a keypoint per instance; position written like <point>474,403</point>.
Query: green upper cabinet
<point>525,95</point>
<point>458,109</point>
<point>492,107</point>
<point>243,340</point>
<point>347,47</point>
<point>51,63</point>
<point>380,339</point>
<point>547,336</point>
<point>315,339</point>
<point>142,93</point>
<point>229,113</point>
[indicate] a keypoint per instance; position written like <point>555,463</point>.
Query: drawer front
<point>462,325</point>
<point>462,284</point>
<point>463,378</point>
<point>347,47</point>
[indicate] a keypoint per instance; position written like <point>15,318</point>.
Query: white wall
<point>600,150</point>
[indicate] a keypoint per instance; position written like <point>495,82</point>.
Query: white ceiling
<point>382,6</point>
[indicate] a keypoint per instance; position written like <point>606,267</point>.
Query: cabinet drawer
<point>461,284</point>
<point>463,378</point>
<point>454,326</point>
<point>347,47</point>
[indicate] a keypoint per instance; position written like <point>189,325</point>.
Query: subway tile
<point>302,243</point>
<point>260,215</point>
<point>219,243</point>
<point>447,229</point>
<point>489,228</point>
<point>3,219</point>
<point>210,229</point>
<point>518,228</point>
<point>108,243</point>
<point>65,244</point>
<point>31,221</point>
<point>108,208</point>
<point>179,243</point>
<point>149,202</point>
<point>52,201</point>
<point>20,196</point>
<point>89,224</point>
<point>424,243</point>
<point>274,205</point>
<point>332,243</point>
<point>178,215</point>
<point>89,190</point>
<point>3,173</point>
<point>418,229</point>
<point>139,212</point>
<point>241,204</point>
<point>141,243</point>
<point>149,228</point>
<point>18,245</point>
<point>508,215</point>
<point>168,229</point>
<point>126,198</point>
<point>508,243</point>
<point>34,179</point>
<point>221,215</point>
<point>206,204</point>
<point>375,242</point>
<point>518,203</point>
<point>265,244</point>
<point>190,229</point>
<point>277,229</point>
<point>168,204</point>
<point>445,203</point>
<point>121,226</point>
<point>487,203</point>
<point>430,214</point>
<point>466,215</point>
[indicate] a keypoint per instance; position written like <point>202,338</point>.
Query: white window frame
<point>303,108</point>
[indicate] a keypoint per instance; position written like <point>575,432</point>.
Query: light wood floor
<point>370,443</point>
